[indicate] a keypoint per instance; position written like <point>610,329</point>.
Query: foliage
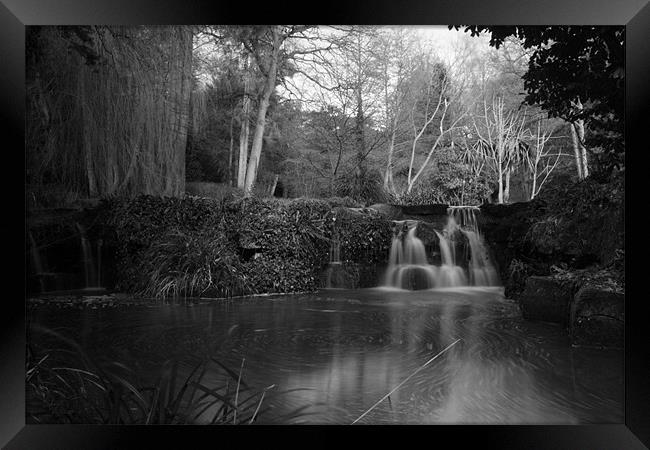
<point>450,182</point>
<point>170,247</point>
<point>365,237</point>
<point>364,186</point>
<point>584,220</point>
<point>272,274</point>
<point>143,219</point>
<point>576,72</point>
<point>64,385</point>
<point>282,228</point>
<point>106,109</point>
<point>135,225</point>
<point>191,265</point>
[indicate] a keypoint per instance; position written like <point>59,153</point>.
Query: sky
<point>441,38</point>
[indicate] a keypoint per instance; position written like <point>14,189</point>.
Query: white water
<point>409,266</point>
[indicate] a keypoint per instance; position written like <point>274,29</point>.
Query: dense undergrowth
<point>574,230</point>
<point>167,247</point>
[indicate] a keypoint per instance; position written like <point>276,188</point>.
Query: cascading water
<point>91,270</point>
<point>337,274</point>
<point>481,271</point>
<point>409,267</point>
<point>335,269</point>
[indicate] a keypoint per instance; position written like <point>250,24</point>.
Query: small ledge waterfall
<point>463,257</point>
<point>92,271</point>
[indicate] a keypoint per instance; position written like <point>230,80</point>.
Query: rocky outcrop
<point>597,317</point>
<point>589,304</point>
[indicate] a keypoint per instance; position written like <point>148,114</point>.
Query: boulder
<point>546,299</point>
<point>597,317</point>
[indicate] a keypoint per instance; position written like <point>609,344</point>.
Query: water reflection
<point>347,349</point>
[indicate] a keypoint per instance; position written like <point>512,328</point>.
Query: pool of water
<point>346,349</point>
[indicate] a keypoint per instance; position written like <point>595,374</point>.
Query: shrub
<point>283,228</point>
<point>365,186</point>
<point>364,237</point>
<point>584,220</point>
<point>191,264</point>
<point>133,226</point>
<point>194,246</point>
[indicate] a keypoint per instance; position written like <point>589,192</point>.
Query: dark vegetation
<point>575,232</point>
<point>167,247</point>
<point>65,385</point>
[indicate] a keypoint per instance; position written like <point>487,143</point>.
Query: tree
<point>576,73</point>
<point>108,108</point>
<point>500,134</point>
<point>539,158</point>
<point>399,61</point>
<point>430,114</point>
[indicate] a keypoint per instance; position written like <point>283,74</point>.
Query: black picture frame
<point>16,14</point>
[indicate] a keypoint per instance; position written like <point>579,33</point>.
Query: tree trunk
<point>576,150</point>
<point>360,119</point>
<point>580,125</point>
<point>361,141</point>
<point>506,192</point>
<point>274,185</point>
<point>245,131</point>
<point>229,179</point>
<point>258,138</point>
<point>388,175</point>
<point>500,184</point>
<point>534,188</point>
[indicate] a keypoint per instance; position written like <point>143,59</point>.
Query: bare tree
<point>500,134</point>
<point>434,117</point>
<point>399,61</point>
<point>539,159</point>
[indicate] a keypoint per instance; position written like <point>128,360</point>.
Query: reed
<point>65,385</point>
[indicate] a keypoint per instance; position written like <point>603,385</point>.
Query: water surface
<point>349,348</point>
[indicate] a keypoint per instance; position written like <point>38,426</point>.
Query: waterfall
<point>335,249</point>
<point>91,270</point>
<point>336,274</point>
<point>409,267</point>
<point>38,263</point>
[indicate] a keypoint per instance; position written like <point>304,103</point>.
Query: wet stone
<point>597,317</point>
<point>546,299</point>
